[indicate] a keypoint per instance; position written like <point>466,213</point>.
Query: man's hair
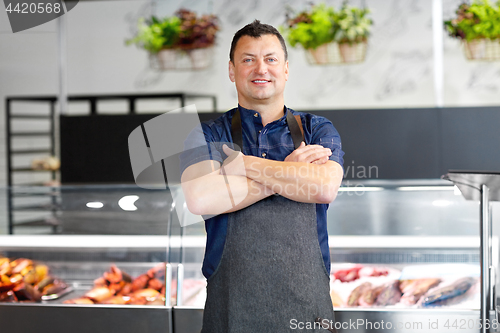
<point>255,30</point>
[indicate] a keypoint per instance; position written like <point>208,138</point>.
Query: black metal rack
<point>52,192</point>
<point>11,151</point>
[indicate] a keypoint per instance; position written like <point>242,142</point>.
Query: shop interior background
<point>397,73</point>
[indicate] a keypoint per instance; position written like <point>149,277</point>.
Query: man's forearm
<point>304,182</point>
<point>218,194</point>
<point>256,192</point>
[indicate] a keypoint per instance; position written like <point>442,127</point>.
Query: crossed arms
<point>306,175</point>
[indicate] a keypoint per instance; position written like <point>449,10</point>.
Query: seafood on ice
<point>24,280</point>
<point>117,287</point>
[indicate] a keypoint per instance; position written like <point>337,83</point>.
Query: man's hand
<point>306,175</point>
<point>234,164</point>
<point>316,154</point>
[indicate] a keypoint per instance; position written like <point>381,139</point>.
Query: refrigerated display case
<point>111,251</point>
<point>404,226</point>
<point>414,229</point>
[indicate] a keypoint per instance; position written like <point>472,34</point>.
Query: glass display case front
<point>87,259</point>
<point>404,252</point>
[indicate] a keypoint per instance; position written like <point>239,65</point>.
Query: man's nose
<point>261,67</point>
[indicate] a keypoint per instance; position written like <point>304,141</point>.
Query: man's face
<point>259,70</point>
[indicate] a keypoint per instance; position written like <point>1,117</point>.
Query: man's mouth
<point>261,81</point>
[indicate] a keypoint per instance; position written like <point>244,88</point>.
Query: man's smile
<point>260,81</point>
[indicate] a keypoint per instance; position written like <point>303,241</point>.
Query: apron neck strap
<point>236,131</point>
<point>294,125</point>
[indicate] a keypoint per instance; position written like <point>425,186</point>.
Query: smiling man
<point>266,181</point>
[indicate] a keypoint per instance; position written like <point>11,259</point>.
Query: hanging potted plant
<point>329,36</point>
<point>352,32</point>
<point>313,30</point>
<point>477,25</point>
<point>182,41</point>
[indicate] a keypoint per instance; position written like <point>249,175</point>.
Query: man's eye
<point>247,60</point>
<point>271,60</point>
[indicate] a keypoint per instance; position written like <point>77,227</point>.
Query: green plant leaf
<point>481,19</point>
<point>323,24</point>
<point>184,30</point>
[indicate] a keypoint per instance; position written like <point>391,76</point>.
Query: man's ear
<point>231,71</point>
<point>286,70</point>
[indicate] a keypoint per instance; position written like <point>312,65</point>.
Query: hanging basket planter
<point>330,36</point>
<point>337,54</point>
<point>178,59</point>
<point>181,42</point>
<point>476,25</point>
<point>482,49</point>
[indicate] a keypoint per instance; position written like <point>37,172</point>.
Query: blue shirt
<point>276,142</point>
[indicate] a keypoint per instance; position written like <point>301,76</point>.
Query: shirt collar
<point>248,112</point>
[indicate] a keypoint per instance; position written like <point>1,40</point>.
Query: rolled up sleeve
<point>325,134</point>
<point>200,145</point>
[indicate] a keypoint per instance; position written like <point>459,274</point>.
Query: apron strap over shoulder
<point>236,131</point>
<point>295,127</point>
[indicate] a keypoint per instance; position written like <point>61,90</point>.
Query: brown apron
<point>271,277</point>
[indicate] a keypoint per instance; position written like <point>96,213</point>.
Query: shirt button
<point>260,131</point>
<point>264,154</point>
<point>255,114</point>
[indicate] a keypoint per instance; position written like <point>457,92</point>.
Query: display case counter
<point>21,318</point>
<point>402,227</point>
<point>79,261</point>
<point>400,253</point>
<point>104,268</point>
<point>415,230</point>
